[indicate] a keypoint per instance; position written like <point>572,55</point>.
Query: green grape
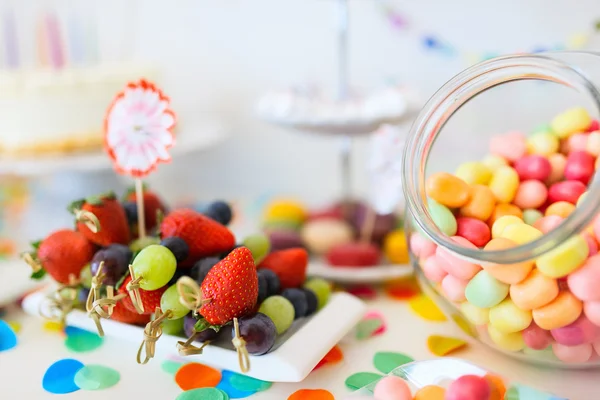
<point>259,245</point>
<point>85,276</point>
<point>321,288</point>
<point>172,326</point>
<point>280,310</point>
<point>142,243</point>
<point>170,301</point>
<point>156,265</point>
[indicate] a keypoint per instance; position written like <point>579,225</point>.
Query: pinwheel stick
<point>366,233</point>
<point>139,197</point>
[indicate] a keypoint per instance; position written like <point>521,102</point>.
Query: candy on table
<point>323,234</point>
<point>355,254</point>
<point>395,247</point>
<point>284,239</point>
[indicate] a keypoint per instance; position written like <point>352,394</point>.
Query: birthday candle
<point>11,47</point>
<point>55,44</point>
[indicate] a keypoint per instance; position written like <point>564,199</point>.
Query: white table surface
<point>22,368</point>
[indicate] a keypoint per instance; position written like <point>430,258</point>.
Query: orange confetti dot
<point>196,375</point>
<point>311,394</point>
<point>498,389</point>
<point>334,356</point>
<point>402,290</point>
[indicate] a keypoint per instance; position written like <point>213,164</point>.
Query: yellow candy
<point>396,248</point>
<point>504,222</point>
<point>593,144</point>
<point>506,341</point>
<point>571,121</point>
<point>561,208</point>
<point>493,162</point>
<point>475,315</point>
<point>521,233</point>
<point>474,173</point>
<point>447,189</point>
<point>506,317</point>
<point>543,144</point>
<point>504,184</point>
<point>565,258</point>
<point>286,210</point>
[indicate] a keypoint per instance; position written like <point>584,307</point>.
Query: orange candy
<point>497,387</point>
<point>560,208</point>
<point>447,189</point>
<point>504,209</point>
<point>481,203</point>
<point>564,310</point>
<point>507,273</point>
<point>430,392</point>
<point>535,291</point>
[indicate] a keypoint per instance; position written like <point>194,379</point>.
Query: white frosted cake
<point>57,111</point>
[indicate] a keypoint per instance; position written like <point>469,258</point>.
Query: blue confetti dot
<point>60,376</point>
<point>430,42</point>
<point>232,392</point>
<point>8,338</point>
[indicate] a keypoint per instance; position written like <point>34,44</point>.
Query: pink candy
<point>432,269</point>
<point>583,282</point>
<point>531,194</point>
<point>474,230</point>
<point>592,244</point>
<point>546,224</point>
<point>469,387</point>
<point>579,332</point>
<point>392,388</point>
<point>420,246</point>
<point>580,166</point>
<point>454,288</point>
<point>511,146</point>
<point>591,309</point>
<point>533,167</point>
<point>454,265</point>
<point>573,354</point>
<point>577,142</point>
<point>566,191</point>
<point>536,338</point>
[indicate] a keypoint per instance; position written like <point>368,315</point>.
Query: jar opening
<point>446,102</point>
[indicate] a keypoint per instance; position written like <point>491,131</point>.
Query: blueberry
<point>311,301</point>
<point>130,208</point>
<point>263,288</point>
<point>178,247</point>
<point>220,212</point>
<point>273,284</point>
<point>179,272</point>
<point>201,268</point>
<point>298,299</point>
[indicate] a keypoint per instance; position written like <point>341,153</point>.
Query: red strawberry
<point>232,287</point>
<point>112,221</point>
<point>63,253</point>
<point>150,298</point>
<point>152,206</point>
<point>204,236</point>
<point>289,265</point>
<point>122,314</point>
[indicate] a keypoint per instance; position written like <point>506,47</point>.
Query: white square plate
<point>293,357</point>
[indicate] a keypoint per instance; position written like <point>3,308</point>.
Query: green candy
<point>546,354</point>
<point>485,291</point>
<point>442,217</point>
<point>545,128</point>
<point>530,216</point>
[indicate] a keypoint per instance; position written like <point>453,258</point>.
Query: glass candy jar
<point>501,234</point>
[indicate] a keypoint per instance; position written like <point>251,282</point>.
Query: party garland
<point>435,43</point>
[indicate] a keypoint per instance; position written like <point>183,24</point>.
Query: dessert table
<point>22,368</point>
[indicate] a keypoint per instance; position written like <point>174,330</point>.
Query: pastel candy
<point>503,209</point>
<point>477,316</point>
<point>584,282</point>
<point>561,208</point>
<point>447,189</point>
<point>507,273</point>
<point>510,146</point>
<point>579,332</point>
<point>546,224</point>
<point>565,258</point>
<point>287,210</point>
<point>558,163</point>
<point>442,217</point>
<point>530,217</point>
<point>593,143</point>
<point>494,161</point>
<point>504,184</point>
<point>536,338</point>
<point>432,269</point>
<point>485,291</point>
<point>284,239</point>
<point>392,388</point>
<point>481,203</point>
<point>430,392</point>
<point>421,246</point>
<point>504,222</point>
<point>506,341</point>
<point>571,121</point>
<point>521,233</point>
<point>468,387</point>
<point>591,310</point>
<point>531,194</point>
<point>592,244</point>
<point>454,265</point>
<point>543,143</point>
<point>535,291</point>
<point>573,354</point>
<point>454,288</point>
<point>506,317</point>
<point>562,311</point>
<point>474,173</point>
<point>321,235</point>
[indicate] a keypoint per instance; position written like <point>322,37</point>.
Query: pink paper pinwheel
<point>138,129</point>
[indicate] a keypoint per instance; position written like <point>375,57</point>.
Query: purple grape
<point>311,301</point>
<point>259,333</point>
<point>116,259</point>
<point>178,247</point>
<point>83,295</point>
<point>188,328</point>
<point>273,284</point>
<point>130,208</point>
<point>201,268</point>
<point>263,288</point>
<point>298,299</point>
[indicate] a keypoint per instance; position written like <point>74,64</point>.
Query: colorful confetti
<point>246,383</point>
<point>16,327</point>
<point>425,308</point>
<point>334,356</point>
<point>364,292</point>
<point>232,392</point>
<point>372,324</point>
<point>96,377</point>
<point>60,376</point>
<point>196,375</point>
<point>171,367</point>
<point>443,345</point>
<point>311,394</point>
<point>402,290</point>
<point>386,362</point>
<point>203,394</point>
<point>52,326</point>
<point>361,379</point>
<point>81,341</point>
<point>8,338</point>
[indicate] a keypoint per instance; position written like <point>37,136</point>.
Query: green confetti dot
<point>170,367</point>
<point>367,328</point>
<point>203,394</point>
<point>96,377</point>
<point>81,341</point>
<point>386,362</point>
<point>247,384</point>
<point>361,379</point>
